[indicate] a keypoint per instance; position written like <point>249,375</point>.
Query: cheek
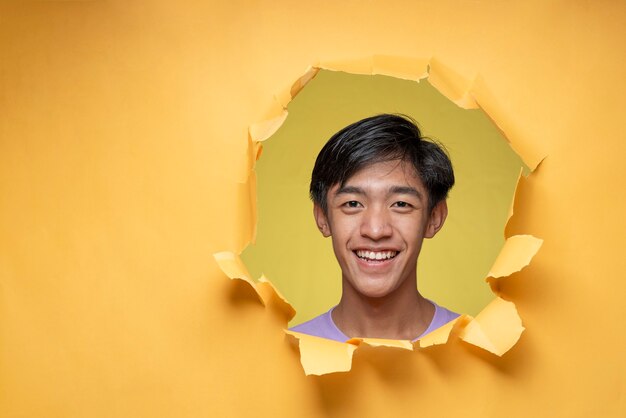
<point>343,234</point>
<point>410,227</point>
<point>343,226</point>
<point>340,238</point>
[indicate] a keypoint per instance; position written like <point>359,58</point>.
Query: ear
<point>321,220</point>
<point>436,219</point>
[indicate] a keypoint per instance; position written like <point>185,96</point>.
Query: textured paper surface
<point>123,142</point>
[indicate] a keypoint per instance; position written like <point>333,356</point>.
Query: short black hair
<point>380,138</point>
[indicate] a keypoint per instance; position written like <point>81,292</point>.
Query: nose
<point>375,223</point>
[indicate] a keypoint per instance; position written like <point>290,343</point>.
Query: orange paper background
<point>123,143</point>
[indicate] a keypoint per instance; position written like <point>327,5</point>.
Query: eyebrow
<point>393,190</point>
<point>350,190</point>
<point>406,190</point>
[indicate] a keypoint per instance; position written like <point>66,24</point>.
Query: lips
<point>373,256</point>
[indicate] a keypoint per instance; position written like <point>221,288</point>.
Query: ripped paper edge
<point>481,331</point>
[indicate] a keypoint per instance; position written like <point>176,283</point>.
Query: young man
<point>378,190</point>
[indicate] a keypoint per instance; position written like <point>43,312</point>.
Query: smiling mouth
<point>374,256</point>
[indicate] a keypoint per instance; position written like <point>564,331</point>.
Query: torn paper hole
<point>487,171</point>
<point>319,357</point>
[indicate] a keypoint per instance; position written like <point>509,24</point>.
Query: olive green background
<point>452,266</point>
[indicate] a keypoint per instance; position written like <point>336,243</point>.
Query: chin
<point>374,292</point>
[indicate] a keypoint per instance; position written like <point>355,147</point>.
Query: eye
<point>402,204</point>
<point>352,204</point>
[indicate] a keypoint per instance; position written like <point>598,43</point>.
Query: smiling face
<point>377,221</point>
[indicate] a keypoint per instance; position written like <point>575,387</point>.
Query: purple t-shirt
<point>323,325</point>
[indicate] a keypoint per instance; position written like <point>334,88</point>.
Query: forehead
<point>394,172</point>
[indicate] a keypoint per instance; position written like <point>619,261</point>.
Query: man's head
<point>379,189</point>
<point>377,139</point>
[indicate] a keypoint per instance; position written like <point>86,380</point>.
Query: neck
<point>403,314</point>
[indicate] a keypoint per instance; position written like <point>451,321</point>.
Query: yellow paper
<point>299,84</point>
<point>451,85</point>
<point>532,155</point>
<point>521,200</point>
<point>273,296</point>
<point>512,207</point>
<point>442,334</point>
<point>516,254</point>
<point>362,65</point>
<point>400,67</point>
<point>234,268</point>
<point>261,131</point>
<point>382,342</point>
<point>122,142</point>
<point>496,328</point>
<point>320,356</point>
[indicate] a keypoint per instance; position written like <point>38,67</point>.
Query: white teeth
<point>380,255</point>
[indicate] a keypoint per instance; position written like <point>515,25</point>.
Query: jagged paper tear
<point>320,356</point>
<point>232,265</point>
<point>498,326</point>
<point>516,254</point>
<point>443,334</point>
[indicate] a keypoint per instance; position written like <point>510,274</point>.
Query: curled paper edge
<point>497,328</point>
<point>532,157</point>
<point>260,131</point>
<point>443,334</point>
<point>520,179</point>
<point>382,342</point>
<point>517,253</point>
<point>523,182</point>
<point>233,267</point>
<point>289,93</point>
<point>319,356</point>
<point>274,297</point>
<point>451,85</point>
<point>478,331</point>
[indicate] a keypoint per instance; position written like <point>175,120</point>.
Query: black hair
<point>380,138</point>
